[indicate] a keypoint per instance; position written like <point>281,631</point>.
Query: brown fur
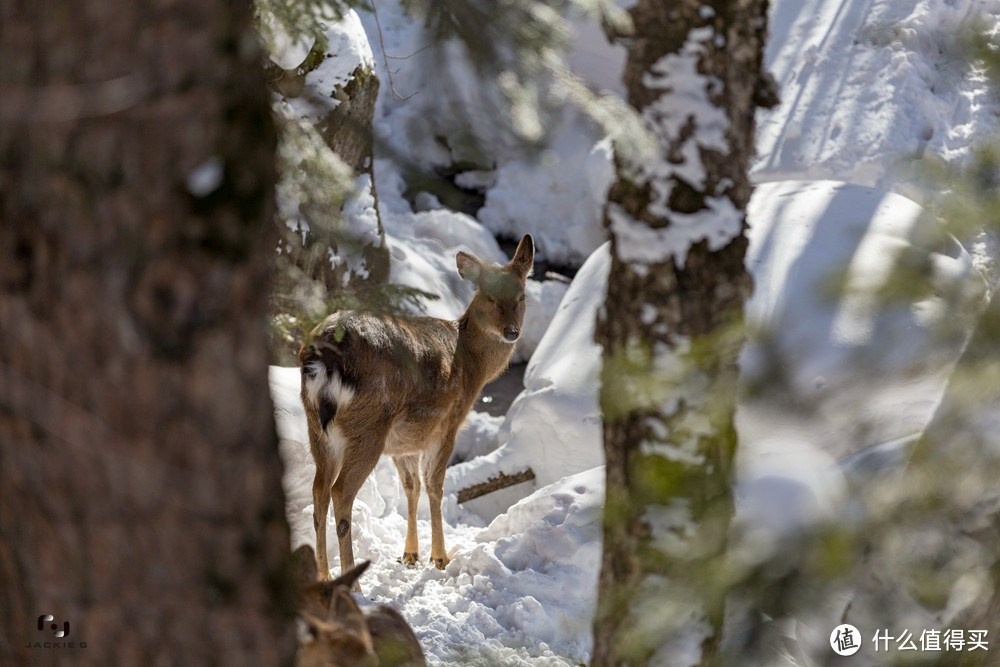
<point>374,384</point>
<point>336,632</point>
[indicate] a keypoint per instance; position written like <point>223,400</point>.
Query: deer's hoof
<point>409,558</point>
<point>440,563</point>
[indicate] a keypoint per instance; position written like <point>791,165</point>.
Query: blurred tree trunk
<point>141,499</point>
<point>672,328</point>
<point>950,487</point>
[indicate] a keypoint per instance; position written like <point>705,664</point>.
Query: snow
<point>562,209</point>
<point>717,225</point>
<point>285,52</point>
<point>206,178</point>
<point>819,253</point>
<point>866,85</point>
<point>347,48</point>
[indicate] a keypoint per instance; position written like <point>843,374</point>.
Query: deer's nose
<point>511,333</point>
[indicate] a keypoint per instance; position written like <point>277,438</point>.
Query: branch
<point>501,481</point>
<point>386,56</point>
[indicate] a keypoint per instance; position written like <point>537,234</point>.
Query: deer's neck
<point>482,356</point>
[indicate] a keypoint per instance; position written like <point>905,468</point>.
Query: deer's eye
<point>491,300</point>
<point>520,299</point>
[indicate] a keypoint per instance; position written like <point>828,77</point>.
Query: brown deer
<point>336,632</point>
<point>402,386</point>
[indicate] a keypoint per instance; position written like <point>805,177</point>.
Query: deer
<point>335,631</point>
<point>375,384</point>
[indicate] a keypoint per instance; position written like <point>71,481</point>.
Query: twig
<point>385,57</point>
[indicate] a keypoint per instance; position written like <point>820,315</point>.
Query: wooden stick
<point>501,481</point>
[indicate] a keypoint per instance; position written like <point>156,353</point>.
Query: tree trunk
<point>342,117</point>
<point>332,251</point>
<point>672,328</point>
<point>949,489</point>
<point>141,505</point>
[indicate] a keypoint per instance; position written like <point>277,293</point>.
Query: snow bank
<point>569,502</point>
<point>522,591</point>
<point>834,369</point>
<point>868,84</point>
<point>543,299</point>
<point>861,353</point>
<point>558,195</point>
<point>434,111</point>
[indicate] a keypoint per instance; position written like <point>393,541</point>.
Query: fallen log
<point>501,481</point>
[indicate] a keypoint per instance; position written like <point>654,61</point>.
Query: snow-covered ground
<point>866,85</point>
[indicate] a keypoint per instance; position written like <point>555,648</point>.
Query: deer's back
<point>391,362</point>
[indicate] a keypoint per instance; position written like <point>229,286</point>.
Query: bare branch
<point>386,56</point>
<point>501,481</point>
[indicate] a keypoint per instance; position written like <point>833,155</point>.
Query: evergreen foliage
<point>314,239</point>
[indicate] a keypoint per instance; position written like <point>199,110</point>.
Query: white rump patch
<point>314,377</point>
<point>334,387</point>
<point>338,391</point>
<point>334,445</point>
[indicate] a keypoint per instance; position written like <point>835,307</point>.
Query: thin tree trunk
<point>140,497</point>
<point>672,329</point>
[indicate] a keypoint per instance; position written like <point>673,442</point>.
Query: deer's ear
<point>524,256</point>
<point>469,268</point>
<point>304,563</point>
<point>349,578</point>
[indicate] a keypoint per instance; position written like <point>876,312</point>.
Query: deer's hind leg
<point>363,447</point>
<point>326,449</point>
<point>434,463</point>
<point>409,475</point>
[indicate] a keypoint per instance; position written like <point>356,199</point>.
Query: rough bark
<point>671,333</point>
<point>141,499</point>
<point>347,126</point>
